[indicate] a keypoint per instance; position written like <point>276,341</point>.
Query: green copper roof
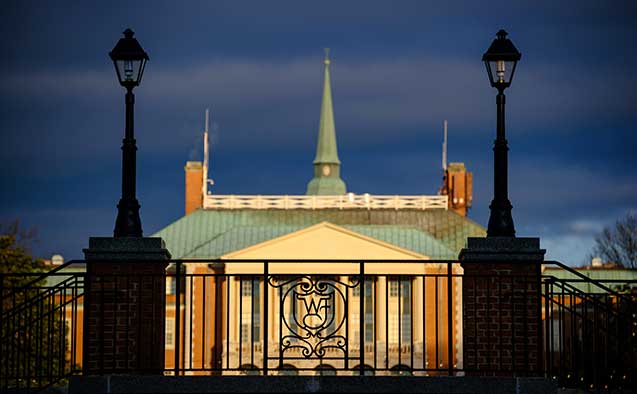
<point>437,233</point>
<point>408,238</point>
<point>326,150</point>
<point>597,274</point>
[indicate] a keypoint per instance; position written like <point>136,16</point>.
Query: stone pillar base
<point>124,305</point>
<point>501,295</point>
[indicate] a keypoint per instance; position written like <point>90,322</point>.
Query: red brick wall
<point>501,319</point>
<point>125,305</point>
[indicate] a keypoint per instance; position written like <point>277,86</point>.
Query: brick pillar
<point>501,290</point>
<point>124,306</point>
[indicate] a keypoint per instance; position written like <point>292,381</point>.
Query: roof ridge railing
<point>345,201</point>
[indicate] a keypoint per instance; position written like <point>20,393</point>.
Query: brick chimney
<point>194,185</point>
<point>458,185</point>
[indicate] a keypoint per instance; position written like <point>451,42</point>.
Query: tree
<point>32,329</point>
<point>23,237</point>
<point>15,259</point>
<point>618,243</point>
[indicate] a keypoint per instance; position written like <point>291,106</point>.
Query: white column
<point>381,320</point>
<point>418,314</point>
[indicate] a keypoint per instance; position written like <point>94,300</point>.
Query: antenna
<point>444,147</point>
<point>204,184</point>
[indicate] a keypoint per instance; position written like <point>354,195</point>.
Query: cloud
<point>64,230</point>
<point>59,84</point>
<point>569,249</point>
<point>586,226</point>
<point>568,187</point>
<point>273,101</point>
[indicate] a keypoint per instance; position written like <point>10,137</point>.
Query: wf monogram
<point>312,322</point>
<point>317,310</point>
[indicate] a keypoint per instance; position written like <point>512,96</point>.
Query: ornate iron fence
<point>274,322</point>
<point>423,318</point>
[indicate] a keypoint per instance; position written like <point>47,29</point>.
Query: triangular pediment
<point>325,241</point>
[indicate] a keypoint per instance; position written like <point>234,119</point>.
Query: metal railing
<point>277,322</point>
<point>314,317</point>
<point>590,331</point>
<point>40,330</point>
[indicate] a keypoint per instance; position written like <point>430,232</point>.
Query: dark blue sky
<point>399,69</point>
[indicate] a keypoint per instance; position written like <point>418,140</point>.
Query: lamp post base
<point>500,220</point>
<point>128,222</point>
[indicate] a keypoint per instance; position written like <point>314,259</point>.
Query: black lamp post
<point>500,60</point>
<point>129,59</point>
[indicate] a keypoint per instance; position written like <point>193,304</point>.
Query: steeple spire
<point>327,167</point>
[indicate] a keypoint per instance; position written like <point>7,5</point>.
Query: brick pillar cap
<point>127,249</point>
<point>502,249</point>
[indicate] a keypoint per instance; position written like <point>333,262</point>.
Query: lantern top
<point>128,48</point>
<point>502,49</point>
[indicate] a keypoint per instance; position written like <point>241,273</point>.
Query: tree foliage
<point>33,330</point>
<point>15,259</point>
<point>618,243</point>
<point>23,237</point>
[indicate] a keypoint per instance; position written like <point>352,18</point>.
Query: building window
<point>245,331</point>
<point>246,288</point>
<point>368,308</point>
<point>406,312</point>
<point>288,310</point>
<point>354,321</point>
<point>170,333</point>
<point>556,341</point>
<point>393,288</point>
<point>356,291</point>
<point>171,285</point>
<point>251,309</point>
<point>399,312</point>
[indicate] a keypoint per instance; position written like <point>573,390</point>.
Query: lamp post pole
<point>501,59</point>
<point>129,59</point>
<point>128,223</point>
<point>500,221</point>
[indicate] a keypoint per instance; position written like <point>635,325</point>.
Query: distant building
<point>67,294</point>
<point>577,302</point>
<point>326,223</point>
<point>609,274</point>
